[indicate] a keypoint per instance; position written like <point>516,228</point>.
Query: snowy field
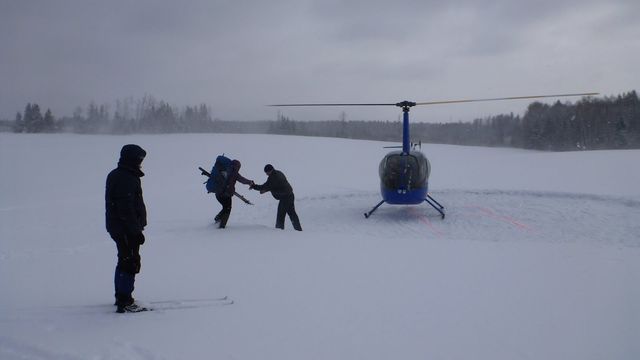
<point>538,257</point>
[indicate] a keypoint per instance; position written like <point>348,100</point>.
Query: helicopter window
<point>403,171</point>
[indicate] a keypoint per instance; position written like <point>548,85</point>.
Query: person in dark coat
<point>126,217</point>
<point>225,197</point>
<point>281,190</point>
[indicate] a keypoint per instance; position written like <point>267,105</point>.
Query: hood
<point>132,155</point>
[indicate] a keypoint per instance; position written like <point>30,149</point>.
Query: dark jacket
<point>125,209</point>
<point>278,185</point>
<point>233,177</point>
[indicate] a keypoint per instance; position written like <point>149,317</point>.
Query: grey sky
<point>238,56</point>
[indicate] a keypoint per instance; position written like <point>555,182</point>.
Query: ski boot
<point>131,308</point>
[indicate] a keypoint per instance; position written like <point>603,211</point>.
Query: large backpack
<point>220,172</point>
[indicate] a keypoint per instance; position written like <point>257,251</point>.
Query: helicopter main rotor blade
<point>503,98</point>
<point>334,104</point>
<point>408,104</point>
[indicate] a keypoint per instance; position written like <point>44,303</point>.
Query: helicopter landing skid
<point>431,201</point>
<point>439,207</point>
<point>374,209</point>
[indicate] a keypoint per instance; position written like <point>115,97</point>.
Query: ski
<point>202,300</point>
<point>243,198</point>
<point>188,303</point>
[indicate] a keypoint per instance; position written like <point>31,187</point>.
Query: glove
<point>140,238</point>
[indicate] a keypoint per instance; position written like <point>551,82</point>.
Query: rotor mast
<point>406,139</point>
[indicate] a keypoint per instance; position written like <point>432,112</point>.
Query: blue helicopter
<point>404,174</point>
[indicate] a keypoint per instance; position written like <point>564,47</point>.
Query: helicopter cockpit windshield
<point>398,170</point>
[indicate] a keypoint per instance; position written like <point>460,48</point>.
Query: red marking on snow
<point>425,220</point>
<point>508,219</point>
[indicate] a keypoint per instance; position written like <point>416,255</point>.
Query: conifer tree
<point>48,122</point>
<point>18,126</point>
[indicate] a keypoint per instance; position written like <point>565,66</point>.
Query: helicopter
<point>404,174</point>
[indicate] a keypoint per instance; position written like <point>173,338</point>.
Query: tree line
<point>589,124</point>
<point>146,115</point>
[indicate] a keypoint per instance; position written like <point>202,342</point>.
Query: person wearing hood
<point>225,197</point>
<point>126,217</point>
<point>282,191</point>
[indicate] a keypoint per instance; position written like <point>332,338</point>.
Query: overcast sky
<point>237,56</point>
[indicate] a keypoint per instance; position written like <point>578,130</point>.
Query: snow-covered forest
<point>610,122</point>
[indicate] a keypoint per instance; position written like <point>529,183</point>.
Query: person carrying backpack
<point>226,176</point>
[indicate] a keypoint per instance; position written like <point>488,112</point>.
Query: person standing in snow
<point>126,217</point>
<point>225,197</point>
<point>282,191</point>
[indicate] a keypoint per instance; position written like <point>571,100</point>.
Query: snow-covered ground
<point>538,257</point>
